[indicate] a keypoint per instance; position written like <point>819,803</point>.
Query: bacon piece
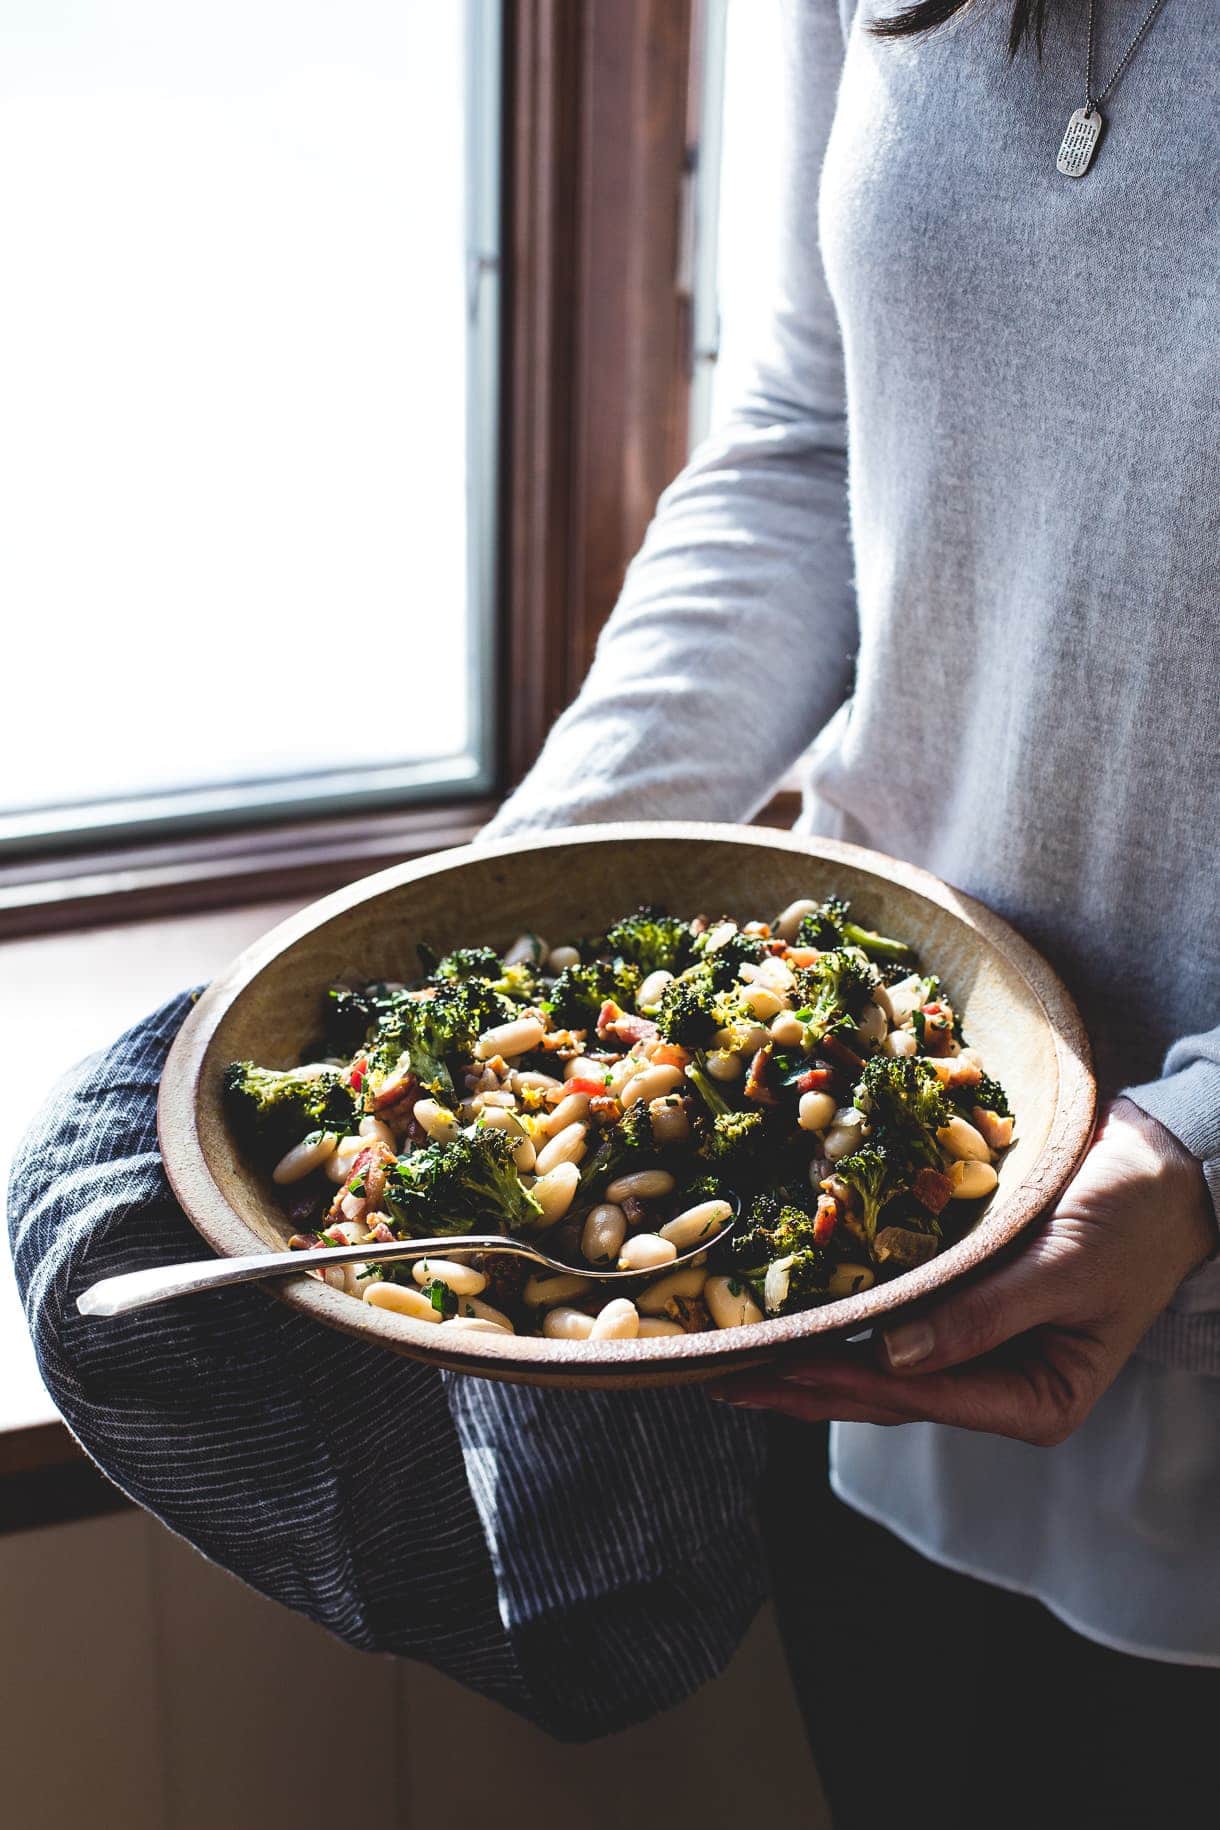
<point>932,1189</point>
<point>825,1219</point>
<point>816,1080</point>
<point>614,1021</point>
<point>756,1087</point>
<point>605,1109</point>
<point>840,1054</point>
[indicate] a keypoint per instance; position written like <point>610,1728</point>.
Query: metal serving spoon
<point>139,1289</point>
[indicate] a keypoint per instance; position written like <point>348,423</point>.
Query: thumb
<point>974,1320</point>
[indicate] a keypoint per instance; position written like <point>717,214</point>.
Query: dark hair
<point>1028,20</point>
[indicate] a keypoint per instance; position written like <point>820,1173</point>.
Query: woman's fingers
<point>1037,1395</point>
<point>976,1318</point>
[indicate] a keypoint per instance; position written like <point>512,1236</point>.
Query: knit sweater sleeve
<point>1186,1100</point>
<point>733,640</point>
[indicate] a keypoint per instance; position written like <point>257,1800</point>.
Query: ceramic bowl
<point>563,884</point>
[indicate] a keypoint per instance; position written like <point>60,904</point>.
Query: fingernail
<point>908,1345</point>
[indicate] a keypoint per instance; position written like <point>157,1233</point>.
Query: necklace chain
<point>1092,101</point>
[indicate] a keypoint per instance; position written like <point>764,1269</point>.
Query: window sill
<point>298,859</point>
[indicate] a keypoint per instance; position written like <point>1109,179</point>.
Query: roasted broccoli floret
<point>348,1017</point>
<point>875,1174</point>
<point>273,1110</point>
<point>580,991</point>
<point>831,926</point>
<point>426,1031</point>
<point>725,1137</point>
<point>462,963</point>
<point>906,1107</point>
<point>776,1234</point>
<point>652,941</point>
<point>726,944</point>
<point>834,991</point>
<point>620,1148</point>
<point>989,1094</point>
<point>469,1184</point>
<point>692,1005</point>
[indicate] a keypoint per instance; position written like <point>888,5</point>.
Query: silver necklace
<point>1084,128</point>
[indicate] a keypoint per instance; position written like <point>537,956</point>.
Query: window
<point>248,351</point>
<point>737,203</point>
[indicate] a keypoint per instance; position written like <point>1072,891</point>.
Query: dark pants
<point>930,1698</point>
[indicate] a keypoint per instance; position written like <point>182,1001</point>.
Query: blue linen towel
<point>584,1559</point>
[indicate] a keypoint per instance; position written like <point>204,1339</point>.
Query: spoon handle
<point>139,1289</point>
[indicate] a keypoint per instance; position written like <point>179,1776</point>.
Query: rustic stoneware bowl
<point>563,884</point>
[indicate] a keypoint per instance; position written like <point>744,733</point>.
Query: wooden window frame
<point>599,122</point>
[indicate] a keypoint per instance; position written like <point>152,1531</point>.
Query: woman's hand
<point>1027,1350</point>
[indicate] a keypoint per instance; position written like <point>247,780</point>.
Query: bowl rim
<point>682,1356</point>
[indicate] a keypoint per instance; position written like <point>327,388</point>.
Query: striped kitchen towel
<point>586,1559</point>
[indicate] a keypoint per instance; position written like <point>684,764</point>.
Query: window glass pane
<point>738,217</point>
<point>245,409</point>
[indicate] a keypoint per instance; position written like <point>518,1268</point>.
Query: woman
<point>1007,655</point>
<point>1008,658</point>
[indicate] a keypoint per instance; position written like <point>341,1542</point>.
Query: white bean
<point>476,1324</point>
<point>646,1252</point>
<point>305,1157</point>
<point>510,1039</point>
<point>618,1073</point>
<point>542,1083</point>
<point>787,923</point>
<point>567,1325</point>
<point>526,950</point>
<point>654,1327</point>
<point>644,1184</point>
<point>776,974</point>
<point>555,1192</point>
<point>841,1140</point>
<point>730,1303</point>
<point>560,958</point>
<point>543,1291</point>
<point>402,1300</point>
<point>815,1111</point>
<point>569,1109</point>
<point>437,1120</point>
<point>462,1279</point>
<point>618,1321</point>
<point>339,1162</point>
<point>584,1068</point>
<point>787,1030</point>
<point>351,1207</point>
<point>687,1282</point>
<point>960,1139</point>
<point>471,1306</point>
<point>670,1121</point>
<point>649,993</point>
<point>849,1279</point>
<point>567,1147</point>
<point>376,1130</point>
<point>971,1179</point>
<point>525,1156</point>
<point>604,1230</point>
<point>903,998</point>
<point>723,1065</point>
<point>762,1002</point>
<point>899,1042</point>
<point>652,1083</point>
<point>697,1225</point>
<point>871,1022</point>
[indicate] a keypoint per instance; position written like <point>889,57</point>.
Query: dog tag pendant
<point>1080,142</point>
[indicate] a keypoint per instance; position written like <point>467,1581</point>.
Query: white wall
<point>141,1688</point>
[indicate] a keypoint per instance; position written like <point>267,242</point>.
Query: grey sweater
<point>962,534</point>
